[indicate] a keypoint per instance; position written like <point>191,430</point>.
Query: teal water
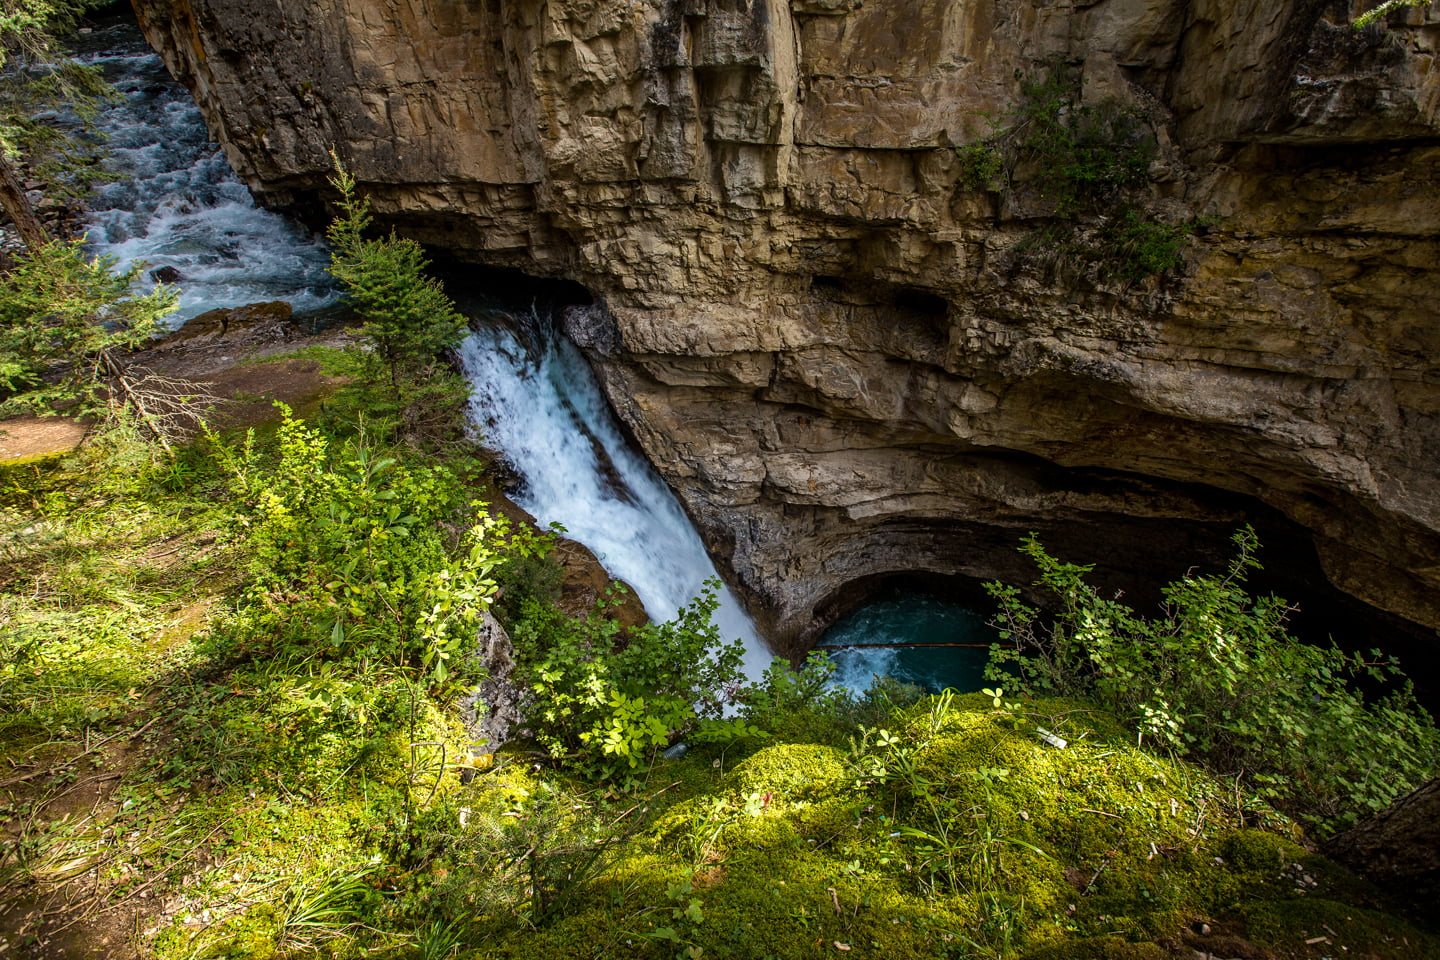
<point>910,618</point>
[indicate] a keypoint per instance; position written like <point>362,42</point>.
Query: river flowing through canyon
<point>177,204</point>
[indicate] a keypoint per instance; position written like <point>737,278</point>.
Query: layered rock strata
<point>843,358</point>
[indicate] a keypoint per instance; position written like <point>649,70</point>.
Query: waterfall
<point>540,404</point>
<point>178,204</point>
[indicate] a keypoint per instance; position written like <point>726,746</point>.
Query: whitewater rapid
<point>178,204</point>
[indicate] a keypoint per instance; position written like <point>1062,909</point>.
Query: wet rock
<point>256,323</point>
<point>165,274</point>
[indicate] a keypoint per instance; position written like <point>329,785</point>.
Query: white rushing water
<point>543,408</point>
<point>178,203</point>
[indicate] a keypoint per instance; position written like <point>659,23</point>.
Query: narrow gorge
<point>856,366</point>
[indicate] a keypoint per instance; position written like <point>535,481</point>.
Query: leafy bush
<point>1217,678</point>
<point>523,580</point>
<point>351,557</point>
<point>1084,156</point>
<point>801,704</point>
<point>1135,247</point>
<point>606,699</point>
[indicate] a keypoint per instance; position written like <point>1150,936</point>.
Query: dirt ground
<point>224,353</point>
<point>68,921</point>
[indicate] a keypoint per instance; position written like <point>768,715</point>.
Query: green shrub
<point>1085,155</point>
<point>801,704</point>
<point>525,579</point>
<point>1090,162</point>
<point>1216,677</point>
<point>1133,246</point>
<point>1080,156</point>
<point>351,560</point>
<point>606,699</point>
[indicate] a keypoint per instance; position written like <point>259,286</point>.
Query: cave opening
<point>1133,559</point>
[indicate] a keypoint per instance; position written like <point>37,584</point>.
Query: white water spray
<point>543,408</point>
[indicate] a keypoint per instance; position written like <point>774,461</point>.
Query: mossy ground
<point>231,806</point>
<point>968,837</point>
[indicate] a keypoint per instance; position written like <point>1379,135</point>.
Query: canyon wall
<point>849,363</point>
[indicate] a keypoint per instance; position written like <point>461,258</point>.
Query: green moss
<point>790,771</point>
<point>1099,948</point>
<point>1347,929</point>
<point>971,817</point>
<point>1257,851</point>
<point>590,934</point>
<point>34,461</point>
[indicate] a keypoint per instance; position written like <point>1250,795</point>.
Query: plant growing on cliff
<point>1088,162</point>
<point>1083,155</point>
<point>1216,677</point>
<point>1384,10</point>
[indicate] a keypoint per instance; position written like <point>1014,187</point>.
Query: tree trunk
<point>1398,848</point>
<point>17,205</point>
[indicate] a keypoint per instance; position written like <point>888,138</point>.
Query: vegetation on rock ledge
<point>1088,163</point>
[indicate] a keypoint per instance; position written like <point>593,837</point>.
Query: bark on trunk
<point>17,205</point>
<point>1398,848</point>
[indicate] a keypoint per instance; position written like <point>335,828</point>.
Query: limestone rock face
<point>846,361</point>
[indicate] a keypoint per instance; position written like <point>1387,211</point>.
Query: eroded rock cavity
<point>850,364</point>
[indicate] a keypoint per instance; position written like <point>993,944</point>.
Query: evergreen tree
<point>64,321</point>
<point>408,317</point>
<point>35,76</point>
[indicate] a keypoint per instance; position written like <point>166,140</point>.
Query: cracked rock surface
<point>849,365</point>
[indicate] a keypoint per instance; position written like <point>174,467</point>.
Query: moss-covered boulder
<point>961,830</point>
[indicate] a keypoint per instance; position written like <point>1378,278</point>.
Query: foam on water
<point>542,407</point>
<point>178,203</point>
